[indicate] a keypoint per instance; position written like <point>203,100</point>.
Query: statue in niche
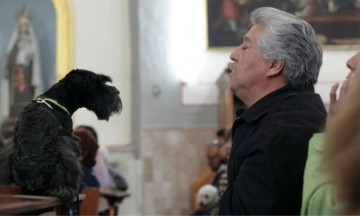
<point>22,74</point>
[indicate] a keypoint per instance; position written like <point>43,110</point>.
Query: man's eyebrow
<point>246,39</point>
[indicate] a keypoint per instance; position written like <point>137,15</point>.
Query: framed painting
<point>35,51</point>
<point>336,22</point>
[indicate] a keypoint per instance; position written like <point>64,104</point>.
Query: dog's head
<point>207,196</point>
<point>83,88</point>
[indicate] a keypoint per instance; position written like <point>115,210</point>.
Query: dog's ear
<point>105,78</point>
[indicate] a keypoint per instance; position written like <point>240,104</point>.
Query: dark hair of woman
<point>89,146</point>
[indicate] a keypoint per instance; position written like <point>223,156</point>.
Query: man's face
<point>221,140</point>
<point>352,64</point>
<point>248,68</point>
<point>225,150</point>
<point>213,157</point>
<point>336,97</point>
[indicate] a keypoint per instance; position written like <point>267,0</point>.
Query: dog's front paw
<point>65,194</point>
<point>76,145</point>
<point>60,130</point>
<point>75,138</point>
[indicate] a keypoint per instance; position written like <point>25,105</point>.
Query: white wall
<point>334,66</point>
<point>102,44</point>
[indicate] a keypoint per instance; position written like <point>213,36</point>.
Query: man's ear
<point>275,68</point>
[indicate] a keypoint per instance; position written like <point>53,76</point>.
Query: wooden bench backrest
<point>90,206</point>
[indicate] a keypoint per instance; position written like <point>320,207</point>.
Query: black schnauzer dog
<point>43,155</point>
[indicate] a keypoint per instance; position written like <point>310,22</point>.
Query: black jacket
<point>270,142</point>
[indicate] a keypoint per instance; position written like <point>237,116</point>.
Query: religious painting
<point>336,22</point>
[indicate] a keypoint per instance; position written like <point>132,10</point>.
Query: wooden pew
<point>114,198</point>
<point>26,204</point>
<point>30,204</point>
<point>13,202</point>
<point>90,206</point>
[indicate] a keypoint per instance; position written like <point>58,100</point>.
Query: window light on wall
<point>188,38</point>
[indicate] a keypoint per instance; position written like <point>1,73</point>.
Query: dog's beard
<point>113,106</point>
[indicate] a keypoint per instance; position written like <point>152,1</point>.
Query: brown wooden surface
<point>113,197</point>
<point>10,189</point>
<point>90,206</point>
<point>30,204</point>
<point>26,204</point>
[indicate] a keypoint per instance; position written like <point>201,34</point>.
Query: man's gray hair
<point>288,38</point>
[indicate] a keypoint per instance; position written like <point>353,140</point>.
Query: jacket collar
<point>265,104</point>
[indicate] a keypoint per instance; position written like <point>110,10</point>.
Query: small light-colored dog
<point>207,197</point>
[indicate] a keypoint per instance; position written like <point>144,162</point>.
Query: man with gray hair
<point>273,72</point>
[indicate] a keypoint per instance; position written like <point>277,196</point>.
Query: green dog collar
<point>57,104</point>
<point>43,100</point>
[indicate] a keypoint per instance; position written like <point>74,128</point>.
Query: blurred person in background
<point>342,148</point>
<point>89,148</point>
<point>108,177</point>
<point>322,185</point>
